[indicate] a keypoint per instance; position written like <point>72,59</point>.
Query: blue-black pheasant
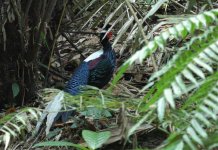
<point>97,69</point>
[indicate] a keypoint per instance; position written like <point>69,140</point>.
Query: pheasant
<point>97,69</point>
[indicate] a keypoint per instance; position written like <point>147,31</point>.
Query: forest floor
<point>68,58</point>
<point>64,61</point>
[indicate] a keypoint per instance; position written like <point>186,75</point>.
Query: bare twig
<point>53,71</point>
<point>73,45</point>
<point>142,32</point>
<point>80,32</point>
<point>182,6</point>
<point>57,31</point>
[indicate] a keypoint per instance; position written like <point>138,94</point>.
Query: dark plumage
<point>94,71</point>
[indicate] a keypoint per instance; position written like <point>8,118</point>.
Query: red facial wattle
<point>109,35</point>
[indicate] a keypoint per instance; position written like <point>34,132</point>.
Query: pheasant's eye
<point>109,35</point>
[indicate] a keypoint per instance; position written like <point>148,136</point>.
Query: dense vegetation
<point>166,81</point>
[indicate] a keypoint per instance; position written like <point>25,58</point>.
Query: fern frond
<point>92,97</point>
<point>186,72</point>
<point>181,30</point>
<point>12,125</point>
<point>192,69</point>
<point>203,119</point>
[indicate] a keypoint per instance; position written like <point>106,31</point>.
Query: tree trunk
<point>23,27</point>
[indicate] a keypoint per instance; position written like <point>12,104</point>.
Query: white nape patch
<point>94,55</point>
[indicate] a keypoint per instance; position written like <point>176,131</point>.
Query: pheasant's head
<point>106,36</point>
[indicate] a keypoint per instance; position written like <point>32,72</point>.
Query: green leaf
<point>176,89</point>
<point>169,97</point>
<point>208,111</point>
<point>6,139</point>
<point>199,116</point>
<point>194,136</point>
<point>198,128</point>
<point>182,30</point>
<point>15,89</point>
<point>119,75</point>
<point>138,124</point>
<point>6,128</point>
<point>203,64</point>
<point>180,146</point>
<point>59,143</point>
<point>96,113</point>
<point>159,41</point>
<point>94,139</point>
<point>202,18</point>
<point>161,105</point>
<point>196,70</point>
<point>188,75</point>
<point>174,32</point>
<point>189,142</point>
<point>189,26</point>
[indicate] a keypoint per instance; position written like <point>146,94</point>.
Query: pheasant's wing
<point>101,71</point>
<point>79,78</point>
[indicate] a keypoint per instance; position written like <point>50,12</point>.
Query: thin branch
<point>79,32</point>
<point>137,21</point>
<point>73,45</point>
<point>142,32</point>
<point>57,31</point>
<point>53,71</point>
<point>182,6</point>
